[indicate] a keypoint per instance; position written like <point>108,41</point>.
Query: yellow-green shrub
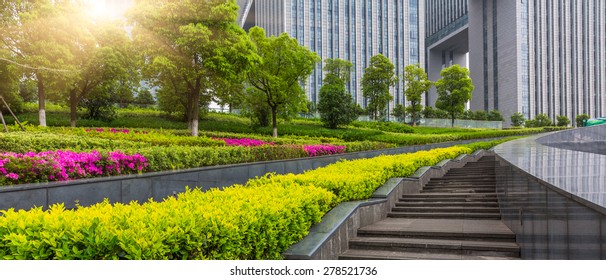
<point>234,223</point>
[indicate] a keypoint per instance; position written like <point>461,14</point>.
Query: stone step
<point>437,246</point>
<point>439,203</point>
<point>451,229</point>
<point>445,215</point>
<point>396,255</point>
<point>457,190</point>
<point>454,209</point>
<point>462,179</point>
<point>460,184</point>
<point>449,195</point>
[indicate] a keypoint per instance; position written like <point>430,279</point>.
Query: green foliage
<point>144,98</point>
<point>454,90</point>
<point>417,84</point>
<point>399,111</point>
<point>336,105</point>
<point>191,49</point>
<point>581,119</point>
<point>495,115</point>
<point>378,78</point>
<point>517,119</point>
<point>562,121</point>
<point>434,113</point>
<point>540,120</point>
<point>385,126</point>
<point>480,115</point>
<point>283,67</point>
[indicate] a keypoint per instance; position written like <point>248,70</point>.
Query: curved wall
<point>553,194</point>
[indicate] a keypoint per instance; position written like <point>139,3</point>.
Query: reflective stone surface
<point>554,199</point>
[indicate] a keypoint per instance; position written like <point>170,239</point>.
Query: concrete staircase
<point>454,217</point>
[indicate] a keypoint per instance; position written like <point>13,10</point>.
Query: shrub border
<point>159,185</point>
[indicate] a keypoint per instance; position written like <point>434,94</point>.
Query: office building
<point>348,29</point>
<point>527,56</point>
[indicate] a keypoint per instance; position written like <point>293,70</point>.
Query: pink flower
<point>12,176</point>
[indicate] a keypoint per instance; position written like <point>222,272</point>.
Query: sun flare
<point>108,9</point>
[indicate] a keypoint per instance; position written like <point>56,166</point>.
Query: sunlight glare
<point>108,9</point>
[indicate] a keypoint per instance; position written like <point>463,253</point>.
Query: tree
<point>562,121</point>
<point>399,111</point>
<point>144,98</point>
<point>495,115</point>
<point>540,120</point>
<point>581,119</point>
<point>38,35</point>
<point>377,80</point>
<point>454,90</point>
<point>9,85</point>
<point>517,119</point>
<point>106,60</point>
<point>336,106</point>
<point>284,65</point>
<point>188,45</point>
<point>417,84</point>
<point>480,115</point>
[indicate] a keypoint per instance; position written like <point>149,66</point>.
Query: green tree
<point>38,35</point>
<point>144,98</point>
<point>495,115</point>
<point>336,106</point>
<point>581,119</point>
<point>540,120</point>
<point>377,79</point>
<point>188,45</point>
<point>517,119</point>
<point>105,59</point>
<point>417,84</point>
<point>9,85</point>
<point>399,111</point>
<point>480,115</point>
<point>284,66</point>
<point>454,90</point>
<point>562,121</point>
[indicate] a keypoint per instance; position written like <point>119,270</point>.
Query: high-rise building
<point>348,29</point>
<point>527,56</point>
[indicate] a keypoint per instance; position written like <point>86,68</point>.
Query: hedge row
<point>256,221</point>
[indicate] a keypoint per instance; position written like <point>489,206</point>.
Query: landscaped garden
<point>256,221</point>
<point>150,141</point>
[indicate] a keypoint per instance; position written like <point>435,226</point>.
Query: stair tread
<point>451,243</point>
<point>396,255</point>
<point>451,226</point>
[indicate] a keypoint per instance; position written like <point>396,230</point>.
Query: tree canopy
<point>283,67</point>
<point>417,84</point>
<point>454,90</point>
<point>190,46</point>
<point>336,106</point>
<point>377,79</point>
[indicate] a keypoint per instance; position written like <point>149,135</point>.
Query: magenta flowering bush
<point>244,142</point>
<point>322,150</point>
<point>17,168</point>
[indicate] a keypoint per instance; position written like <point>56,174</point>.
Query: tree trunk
<point>195,114</point>
<point>41,101</point>
<point>274,121</point>
<point>452,121</point>
<point>73,107</point>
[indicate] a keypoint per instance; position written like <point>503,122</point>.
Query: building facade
<point>353,30</point>
<point>528,56</point>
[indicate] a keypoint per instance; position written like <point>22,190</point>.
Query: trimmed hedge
<point>256,221</point>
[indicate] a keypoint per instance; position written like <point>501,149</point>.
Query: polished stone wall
<point>554,198</point>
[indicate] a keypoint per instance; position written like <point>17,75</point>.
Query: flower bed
<point>31,167</point>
